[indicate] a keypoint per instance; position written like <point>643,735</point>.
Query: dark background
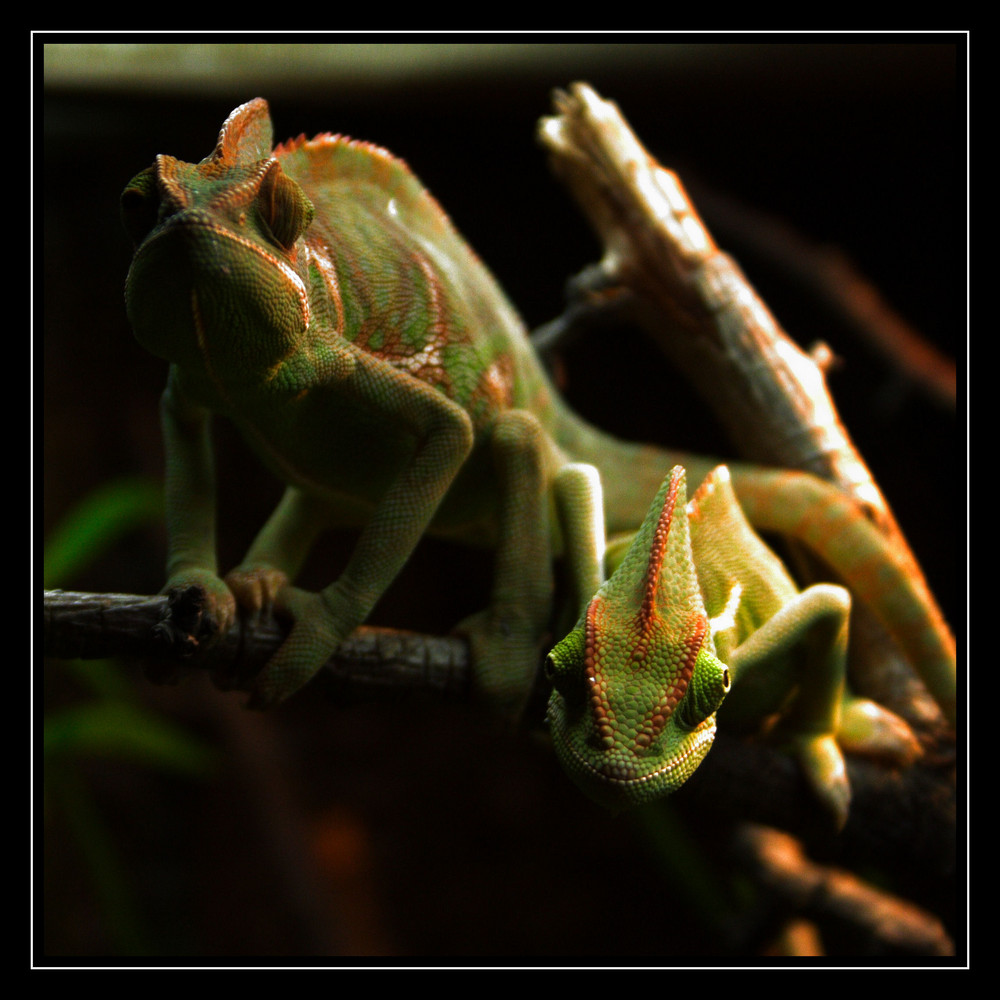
<point>422,830</point>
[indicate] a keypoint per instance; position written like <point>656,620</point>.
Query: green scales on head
<point>637,683</point>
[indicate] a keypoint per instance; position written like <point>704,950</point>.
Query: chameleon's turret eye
<point>564,668</point>
<point>550,668</point>
<point>710,683</point>
<point>140,205</point>
<point>283,207</point>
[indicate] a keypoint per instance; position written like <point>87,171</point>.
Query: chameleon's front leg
<point>190,505</point>
<point>444,438</point>
<point>579,497</point>
<point>815,621</point>
<point>787,650</point>
<point>824,719</point>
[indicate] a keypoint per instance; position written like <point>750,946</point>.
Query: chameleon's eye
<point>708,688</point>
<point>283,207</point>
<point>564,668</point>
<point>550,668</point>
<point>140,205</point>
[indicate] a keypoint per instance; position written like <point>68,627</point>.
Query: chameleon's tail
<point>803,507</point>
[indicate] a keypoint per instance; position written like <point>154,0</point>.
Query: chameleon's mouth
<point>617,780</point>
<point>194,225</point>
<point>192,278</point>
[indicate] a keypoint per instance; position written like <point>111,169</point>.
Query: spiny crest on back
<point>335,159</point>
<point>352,158</point>
<point>341,141</point>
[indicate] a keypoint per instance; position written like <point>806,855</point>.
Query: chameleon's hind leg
<point>505,638</point>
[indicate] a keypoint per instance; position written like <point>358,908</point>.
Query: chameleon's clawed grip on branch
<point>317,295</point>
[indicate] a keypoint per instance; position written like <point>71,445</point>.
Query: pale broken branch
<point>769,394</point>
<point>694,301</point>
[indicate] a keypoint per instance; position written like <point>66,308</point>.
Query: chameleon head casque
<point>636,684</point>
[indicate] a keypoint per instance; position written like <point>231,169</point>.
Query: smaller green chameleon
<point>317,296</point>
<point>699,611</point>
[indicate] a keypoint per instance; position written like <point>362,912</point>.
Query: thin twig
<point>838,286</point>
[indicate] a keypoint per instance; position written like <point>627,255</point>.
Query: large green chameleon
<point>319,297</point>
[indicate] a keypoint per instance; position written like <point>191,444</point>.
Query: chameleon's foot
<point>870,730</point>
<point>825,770</point>
<point>311,642</point>
<point>214,608</point>
<point>865,728</point>
<point>256,588</point>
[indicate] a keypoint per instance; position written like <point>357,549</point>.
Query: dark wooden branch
<point>899,820</point>
<point>372,663</point>
<point>906,818</point>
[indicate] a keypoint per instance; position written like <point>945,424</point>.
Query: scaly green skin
<point>697,606</point>
<point>319,297</point>
<point>637,683</point>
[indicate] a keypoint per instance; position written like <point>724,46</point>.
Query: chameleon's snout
<point>620,775</point>
<point>198,287</point>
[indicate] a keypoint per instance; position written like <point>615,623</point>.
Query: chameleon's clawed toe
<point>826,771</point>
<point>870,730</point>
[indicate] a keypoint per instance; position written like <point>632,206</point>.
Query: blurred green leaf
<point>116,728</point>
<point>96,522</point>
